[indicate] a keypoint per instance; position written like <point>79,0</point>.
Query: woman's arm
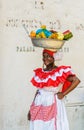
<point>74,82</point>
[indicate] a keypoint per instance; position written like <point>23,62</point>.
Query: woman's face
<point>47,59</point>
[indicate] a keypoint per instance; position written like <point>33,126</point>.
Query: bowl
<point>48,43</point>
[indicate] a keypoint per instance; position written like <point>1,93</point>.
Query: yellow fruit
<point>43,26</point>
<point>42,35</point>
<point>60,36</point>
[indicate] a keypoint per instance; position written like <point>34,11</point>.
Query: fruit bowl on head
<point>47,43</point>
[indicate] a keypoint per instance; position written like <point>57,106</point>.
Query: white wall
<point>19,58</point>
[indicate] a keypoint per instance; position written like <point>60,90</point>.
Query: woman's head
<point>48,57</point>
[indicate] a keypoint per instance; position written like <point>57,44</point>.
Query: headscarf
<point>51,53</point>
<point>55,54</point>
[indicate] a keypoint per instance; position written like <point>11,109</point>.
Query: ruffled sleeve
<point>51,78</point>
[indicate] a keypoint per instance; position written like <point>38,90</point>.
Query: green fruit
<point>68,36</point>
<point>38,36</point>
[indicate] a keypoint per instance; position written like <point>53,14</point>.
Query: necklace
<point>50,68</point>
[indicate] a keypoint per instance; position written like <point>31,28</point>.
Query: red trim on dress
<point>46,77</point>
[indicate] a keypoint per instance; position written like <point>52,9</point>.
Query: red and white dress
<point>47,111</point>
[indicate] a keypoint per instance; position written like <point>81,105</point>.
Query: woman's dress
<point>47,111</point>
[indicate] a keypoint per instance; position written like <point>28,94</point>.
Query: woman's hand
<point>60,95</point>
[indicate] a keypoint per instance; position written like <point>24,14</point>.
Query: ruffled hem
<point>51,78</point>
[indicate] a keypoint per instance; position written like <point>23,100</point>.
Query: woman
<point>54,83</point>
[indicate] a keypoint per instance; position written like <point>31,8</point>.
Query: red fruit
<point>66,32</point>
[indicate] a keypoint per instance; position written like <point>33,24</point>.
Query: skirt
<point>48,112</point>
